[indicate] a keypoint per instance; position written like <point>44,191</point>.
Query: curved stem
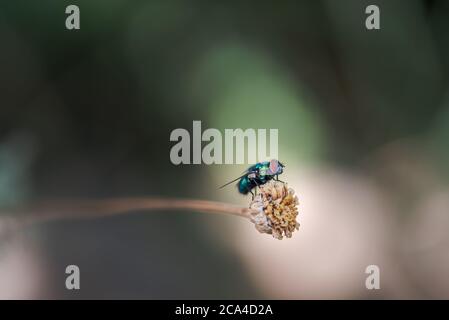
<point>91,209</point>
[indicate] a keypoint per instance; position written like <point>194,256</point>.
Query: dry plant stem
<point>92,209</point>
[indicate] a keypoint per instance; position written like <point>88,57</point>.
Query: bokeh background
<point>363,119</point>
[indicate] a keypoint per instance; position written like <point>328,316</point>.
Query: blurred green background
<point>363,119</point>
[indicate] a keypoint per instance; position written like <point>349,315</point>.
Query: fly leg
<point>257,185</point>
<point>252,178</point>
<point>252,194</point>
<point>277,179</point>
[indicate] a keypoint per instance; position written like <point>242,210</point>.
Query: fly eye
<point>273,166</point>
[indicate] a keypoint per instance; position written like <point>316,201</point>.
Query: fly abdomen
<point>245,185</point>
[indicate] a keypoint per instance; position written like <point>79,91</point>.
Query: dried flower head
<point>275,210</point>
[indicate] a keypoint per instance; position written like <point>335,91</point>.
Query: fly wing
<point>249,171</point>
<point>253,168</point>
<point>233,180</point>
